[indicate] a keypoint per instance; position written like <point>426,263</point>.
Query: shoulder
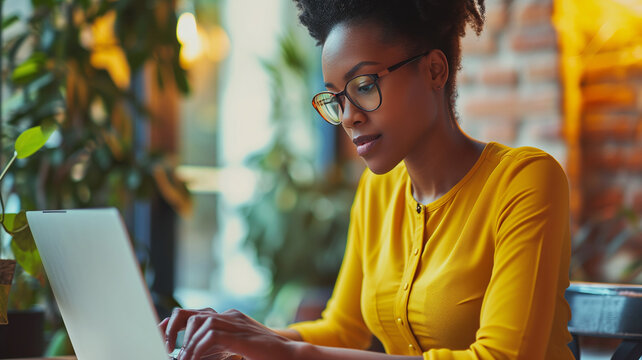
<point>527,164</point>
<point>528,175</point>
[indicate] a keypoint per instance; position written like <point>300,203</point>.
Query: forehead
<point>350,44</point>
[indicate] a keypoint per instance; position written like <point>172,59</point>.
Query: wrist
<point>299,350</point>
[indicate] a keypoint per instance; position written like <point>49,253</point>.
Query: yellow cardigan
<point>479,273</point>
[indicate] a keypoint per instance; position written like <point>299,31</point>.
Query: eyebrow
<point>350,74</point>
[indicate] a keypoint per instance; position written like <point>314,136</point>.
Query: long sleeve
<point>479,273</point>
<point>530,267</point>
<point>342,324</point>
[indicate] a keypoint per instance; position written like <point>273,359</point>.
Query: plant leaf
<point>24,248</point>
<point>29,69</point>
<point>8,222</point>
<point>32,139</point>
<point>8,21</point>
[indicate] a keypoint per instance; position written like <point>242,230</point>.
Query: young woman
<point>457,249</point>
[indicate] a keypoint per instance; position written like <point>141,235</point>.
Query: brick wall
<point>509,85</point>
<point>511,91</point>
<point>611,134</point>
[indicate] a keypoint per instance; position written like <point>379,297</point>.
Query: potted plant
<point>25,337</point>
<point>85,66</point>
<point>297,223</point>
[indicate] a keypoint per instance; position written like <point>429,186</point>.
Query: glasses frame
<point>375,78</point>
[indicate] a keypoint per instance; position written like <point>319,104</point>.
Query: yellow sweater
<point>479,273</point>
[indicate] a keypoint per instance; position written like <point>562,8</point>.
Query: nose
<point>352,116</point>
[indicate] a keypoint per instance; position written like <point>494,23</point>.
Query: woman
<point>457,249</point>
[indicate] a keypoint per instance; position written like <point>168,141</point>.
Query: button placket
<point>401,308</point>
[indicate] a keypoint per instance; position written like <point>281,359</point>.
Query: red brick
<point>634,159</point>
<point>534,13</point>
<point>502,130</point>
<point>596,73</point>
<point>491,105</point>
<point>637,202</point>
<point>605,126</point>
<point>546,130</point>
<point>607,69</point>
<point>494,74</point>
<point>634,71</point>
<point>472,44</point>
<point>543,70</point>
<point>541,102</point>
<point>638,128</point>
<point>534,39</point>
<point>466,77</point>
<point>607,200</point>
<point>496,17</point>
<point>604,159</point>
<point>608,95</point>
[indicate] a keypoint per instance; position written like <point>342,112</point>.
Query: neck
<point>441,162</point>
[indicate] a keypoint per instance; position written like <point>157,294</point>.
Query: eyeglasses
<point>362,91</point>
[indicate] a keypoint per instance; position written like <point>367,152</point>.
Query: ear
<point>438,68</point>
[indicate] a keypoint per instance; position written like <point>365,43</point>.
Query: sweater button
<point>415,252</point>
<point>411,347</point>
<point>399,321</point>
<point>405,286</point>
<point>418,208</point>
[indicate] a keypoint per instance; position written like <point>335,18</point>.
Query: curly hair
<point>419,24</point>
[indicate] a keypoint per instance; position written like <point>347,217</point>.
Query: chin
<point>380,167</point>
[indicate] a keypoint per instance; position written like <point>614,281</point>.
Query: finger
<point>194,323</point>
<point>205,326</point>
<point>230,320</point>
<point>162,326</point>
<point>175,324</point>
<point>204,344</point>
<point>208,310</point>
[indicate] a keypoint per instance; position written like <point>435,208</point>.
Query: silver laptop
<point>97,284</point>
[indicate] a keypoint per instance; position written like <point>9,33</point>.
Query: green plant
<point>22,244</point>
<point>84,66</point>
<point>298,221</point>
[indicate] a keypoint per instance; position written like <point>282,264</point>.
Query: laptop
<point>97,284</point>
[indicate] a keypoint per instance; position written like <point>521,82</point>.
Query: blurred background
<point>194,119</point>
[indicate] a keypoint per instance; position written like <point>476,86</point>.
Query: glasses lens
<point>364,92</point>
<point>328,107</point>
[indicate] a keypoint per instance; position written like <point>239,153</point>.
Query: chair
<point>607,310</point>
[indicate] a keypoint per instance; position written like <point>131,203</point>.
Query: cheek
<point>409,99</point>
<point>346,130</point>
<point>406,108</point>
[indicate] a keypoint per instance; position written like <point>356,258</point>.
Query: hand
<point>170,326</point>
<point>208,332</point>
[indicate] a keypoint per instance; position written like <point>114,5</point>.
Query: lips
<point>365,143</point>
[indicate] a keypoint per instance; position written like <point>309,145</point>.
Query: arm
<point>532,250</point>
<point>209,334</point>
<point>290,334</point>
